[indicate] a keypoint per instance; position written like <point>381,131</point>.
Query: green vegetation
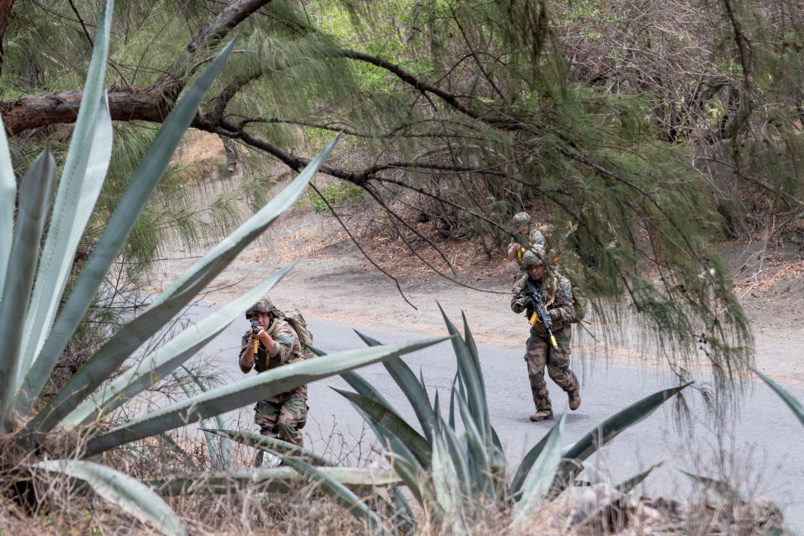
<point>339,194</point>
<point>71,422</point>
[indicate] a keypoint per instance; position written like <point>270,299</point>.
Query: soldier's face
<point>523,229</point>
<point>263,318</point>
<point>536,272</point>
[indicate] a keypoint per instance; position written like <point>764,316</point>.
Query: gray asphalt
<point>759,446</point>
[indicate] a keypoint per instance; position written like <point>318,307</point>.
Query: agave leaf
<point>271,444</point>
<point>277,479</point>
<point>472,349</point>
<point>447,490</point>
<point>119,226</point>
<point>718,490</point>
<point>341,493</point>
<point>515,489</point>
<point>170,443</point>
<point>224,447</point>
<point>391,422</point>
<point>358,383</point>
<point>8,194</point>
<point>168,357</point>
<point>78,191</point>
<point>404,464</point>
<point>793,404</point>
<point>452,395</point>
<point>410,386</point>
<point>470,374</point>
<point>35,193</point>
<point>543,472</point>
<point>606,432</point>
<point>107,360</point>
<point>246,391</point>
<point>629,485</point>
<point>459,457</point>
<point>479,465</point>
<point>594,475</point>
<point>214,452</point>
<point>126,492</point>
<point>225,252</point>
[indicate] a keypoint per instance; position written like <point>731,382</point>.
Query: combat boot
<point>541,415</point>
<point>575,399</point>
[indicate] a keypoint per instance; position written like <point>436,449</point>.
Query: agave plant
<point>458,475</point>
<point>37,319</point>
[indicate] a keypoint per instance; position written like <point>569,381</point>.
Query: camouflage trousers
<point>282,420</point>
<point>540,352</point>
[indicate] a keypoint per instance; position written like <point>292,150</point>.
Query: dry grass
<point>65,507</point>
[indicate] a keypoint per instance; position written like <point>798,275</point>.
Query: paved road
<point>761,447</point>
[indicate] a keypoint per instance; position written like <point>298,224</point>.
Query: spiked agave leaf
<point>447,488</point>
<point>606,432</point>
<point>271,444</point>
<point>391,422</point>
<point>341,493</point>
<point>629,485</point>
<point>36,190</point>
<point>78,191</point>
<point>469,368</point>
<point>126,492</point>
<point>8,189</point>
<point>217,454</point>
<point>358,383</point>
<point>411,387</point>
<point>792,403</point>
<point>541,476</point>
<point>247,391</point>
<point>278,479</point>
<point>119,226</point>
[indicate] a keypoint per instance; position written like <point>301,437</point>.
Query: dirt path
<point>332,280</point>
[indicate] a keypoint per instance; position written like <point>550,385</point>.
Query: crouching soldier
<point>277,344</point>
<point>556,295</point>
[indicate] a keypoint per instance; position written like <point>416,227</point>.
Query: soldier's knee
<point>288,433</point>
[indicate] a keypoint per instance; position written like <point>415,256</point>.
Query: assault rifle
<point>255,328</point>
<point>535,303</point>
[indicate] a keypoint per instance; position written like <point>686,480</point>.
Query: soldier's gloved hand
<point>530,303</point>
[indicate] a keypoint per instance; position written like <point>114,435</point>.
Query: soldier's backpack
<point>580,302</point>
<point>299,325</point>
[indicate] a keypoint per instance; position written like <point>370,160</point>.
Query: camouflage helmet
<point>533,257</point>
<point>521,218</point>
<point>265,305</point>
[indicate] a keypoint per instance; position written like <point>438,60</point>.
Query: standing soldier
<point>283,415</point>
<point>526,233</point>
<point>556,295</point>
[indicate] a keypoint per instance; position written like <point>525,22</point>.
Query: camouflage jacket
<point>287,350</point>
<point>556,293</point>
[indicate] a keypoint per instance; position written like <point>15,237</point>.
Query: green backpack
<point>299,325</point>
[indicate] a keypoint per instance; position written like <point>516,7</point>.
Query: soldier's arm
<point>512,251</point>
<point>517,301</point>
<point>286,337</point>
<point>246,361</point>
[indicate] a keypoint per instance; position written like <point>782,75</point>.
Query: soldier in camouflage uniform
<point>283,415</point>
<point>525,229</point>
<point>556,292</point>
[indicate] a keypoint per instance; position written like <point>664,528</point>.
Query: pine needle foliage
<point>635,134</point>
